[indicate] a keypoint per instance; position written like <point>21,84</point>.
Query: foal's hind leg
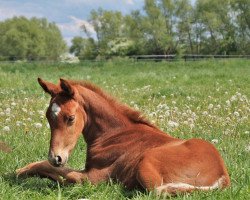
<point>60,174</point>
<point>148,176</point>
<point>150,179</point>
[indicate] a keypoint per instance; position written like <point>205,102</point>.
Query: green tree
<point>84,48</point>
<point>241,9</point>
<point>135,32</point>
<point>78,44</point>
<point>218,35</point>
<point>31,39</point>
<point>108,26</point>
<point>154,25</point>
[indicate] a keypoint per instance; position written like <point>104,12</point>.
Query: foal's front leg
<point>60,174</point>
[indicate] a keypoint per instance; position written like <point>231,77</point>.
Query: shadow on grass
<point>31,183</point>
<point>45,186</point>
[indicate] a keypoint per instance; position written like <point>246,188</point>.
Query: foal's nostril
<point>58,160</point>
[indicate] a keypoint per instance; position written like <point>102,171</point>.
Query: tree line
<point>162,27</point>
<point>168,27</point>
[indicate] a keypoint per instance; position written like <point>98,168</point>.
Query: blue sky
<point>69,15</point>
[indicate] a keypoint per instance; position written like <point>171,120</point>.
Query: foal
<point>121,145</point>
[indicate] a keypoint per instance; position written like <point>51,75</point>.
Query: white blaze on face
<point>55,109</point>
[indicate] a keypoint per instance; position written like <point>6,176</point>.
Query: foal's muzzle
<point>57,160</point>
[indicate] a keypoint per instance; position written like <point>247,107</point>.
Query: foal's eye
<point>71,118</point>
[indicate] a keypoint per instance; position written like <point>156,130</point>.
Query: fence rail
<point>187,57</point>
<point>170,58</point>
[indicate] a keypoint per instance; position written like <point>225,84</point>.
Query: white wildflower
<point>188,98</point>
<point>1,113</point>
<point>247,148</point>
<point>205,113</point>
<point>6,128</point>
<point>40,112</point>
<point>184,114</point>
<point>38,125</point>
<point>210,106</point>
<point>7,119</point>
<point>236,114</point>
<point>173,124</point>
<point>191,126</point>
<point>24,110</point>
<point>29,119</point>
<point>167,113</point>
<point>7,111</point>
<point>233,98</point>
<point>13,104</point>
<point>214,141</point>
<point>238,94</point>
<point>18,123</point>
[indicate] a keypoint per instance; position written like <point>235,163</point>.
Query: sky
<point>69,15</point>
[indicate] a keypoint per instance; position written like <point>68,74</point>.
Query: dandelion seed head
<point>6,129</point>
<point>210,106</point>
<point>173,124</point>
<point>38,125</point>
<point>214,141</point>
<point>247,149</point>
<point>236,114</point>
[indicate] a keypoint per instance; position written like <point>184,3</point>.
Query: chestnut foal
<point>121,145</point>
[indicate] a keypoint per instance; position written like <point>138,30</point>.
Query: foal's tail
<point>175,188</point>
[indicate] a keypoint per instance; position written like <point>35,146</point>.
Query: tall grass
<point>205,99</point>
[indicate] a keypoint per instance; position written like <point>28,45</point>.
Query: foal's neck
<point>103,116</point>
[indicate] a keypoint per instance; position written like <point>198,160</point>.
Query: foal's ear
<point>67,87</point>
<point>50,88</point>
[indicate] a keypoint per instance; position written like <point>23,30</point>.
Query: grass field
<point>205,99</point>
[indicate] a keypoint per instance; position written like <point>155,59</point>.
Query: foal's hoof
<point>27,170</point>
<point>22,172</point>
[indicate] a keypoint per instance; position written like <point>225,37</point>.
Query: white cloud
<point>80,22</point>
<point>74,26</point>
<point>131,2</point>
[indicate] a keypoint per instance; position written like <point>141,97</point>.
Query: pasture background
<point>205,99</point>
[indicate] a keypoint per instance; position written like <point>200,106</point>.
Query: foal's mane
<point>131,114</point>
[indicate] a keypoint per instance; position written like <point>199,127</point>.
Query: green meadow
<point>203,99</point>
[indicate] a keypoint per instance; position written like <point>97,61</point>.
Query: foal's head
<point>66,119</point>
